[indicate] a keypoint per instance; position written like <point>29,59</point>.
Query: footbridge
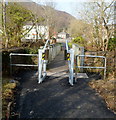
<point>73,59</point>
<point>59,89</point>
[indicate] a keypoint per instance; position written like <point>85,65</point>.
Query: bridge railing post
<point>40,65</point>
<point>42,62</point>
<point>71,66</point>
<point>105,69</point>
<point>70,63</point>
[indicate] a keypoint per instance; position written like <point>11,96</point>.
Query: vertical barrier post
<point>76,60</point>
<point>105,69</point>
<point>40,66</point>
<point>71,68</point>
<point>44,68</point>
<point>10,64</point>
<point>82,58</point>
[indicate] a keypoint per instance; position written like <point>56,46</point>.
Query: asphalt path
<point>55,98</point>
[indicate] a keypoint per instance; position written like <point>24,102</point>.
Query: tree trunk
<point>4,23</point>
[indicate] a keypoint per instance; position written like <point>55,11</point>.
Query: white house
<point>63,35</point>
<point>36,33</point>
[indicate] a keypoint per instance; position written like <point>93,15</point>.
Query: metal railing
<point>20,65</point>
<point>93,67</point>
<point>42,63</point>
<point>70,63</point>
<point>53,51</point>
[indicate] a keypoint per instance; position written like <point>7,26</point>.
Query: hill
<point>62,19</point>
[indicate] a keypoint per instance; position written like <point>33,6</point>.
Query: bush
<point>112,44</point>
<point>78,40</point>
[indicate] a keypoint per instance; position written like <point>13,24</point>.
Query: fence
<point>53,50</point>
<point>93,67</point>
<point>23,65</point>
<point>80,60</point>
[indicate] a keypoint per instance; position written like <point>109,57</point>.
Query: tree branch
<point>108,6</point>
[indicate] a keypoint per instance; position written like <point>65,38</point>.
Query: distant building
<point>63,35</point>
<point>36,33</point>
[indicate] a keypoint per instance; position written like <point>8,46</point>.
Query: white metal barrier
<point>79,50</point>
<point>23,65</point>
<point>42,63</point>
<point>93,67</point>
<point>70,63</point>
<point>79,60</point>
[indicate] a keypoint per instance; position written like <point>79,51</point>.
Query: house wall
<point>35,33</point>
<point>63,36</point>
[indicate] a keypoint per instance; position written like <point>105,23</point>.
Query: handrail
<point>16,54</point>
<point>42,63</point>
<point>93,66</point>
<point>46,44</point>
<point>91,56</point>
<point>67,48</point>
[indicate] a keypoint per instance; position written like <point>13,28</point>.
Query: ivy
<point>112,44</point>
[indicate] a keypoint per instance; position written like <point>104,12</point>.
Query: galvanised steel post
<point>44,67</point>
<point>92,66</point>
<point>82,58</point>
<point>10,65</point>
<point>76,64</point>
<point>71,66</point>
<point>40,66</point>
<point>105,69</point>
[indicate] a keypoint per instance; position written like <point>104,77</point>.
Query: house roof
<point>63,33</point>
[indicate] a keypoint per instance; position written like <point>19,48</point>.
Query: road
<point>55,98</point>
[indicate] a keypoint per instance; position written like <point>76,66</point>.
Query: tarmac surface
<point>55,98</point>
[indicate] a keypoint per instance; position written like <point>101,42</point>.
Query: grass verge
<point>8,98</point>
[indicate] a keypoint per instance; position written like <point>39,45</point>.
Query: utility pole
<point>4,22</point>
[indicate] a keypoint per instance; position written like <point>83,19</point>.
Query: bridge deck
<point>55,98</point>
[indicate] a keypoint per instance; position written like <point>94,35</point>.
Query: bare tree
<point>100,15</point>
<point>49,15</point>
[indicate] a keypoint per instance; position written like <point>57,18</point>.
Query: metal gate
<point>45,55</point>
<point>80,60</point>
<point>42,62</point>
<point>70,58</point>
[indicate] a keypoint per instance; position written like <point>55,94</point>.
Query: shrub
<point>78,40</point>
<point>112,44</point>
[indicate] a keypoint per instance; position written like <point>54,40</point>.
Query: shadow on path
<point>55,98</point>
